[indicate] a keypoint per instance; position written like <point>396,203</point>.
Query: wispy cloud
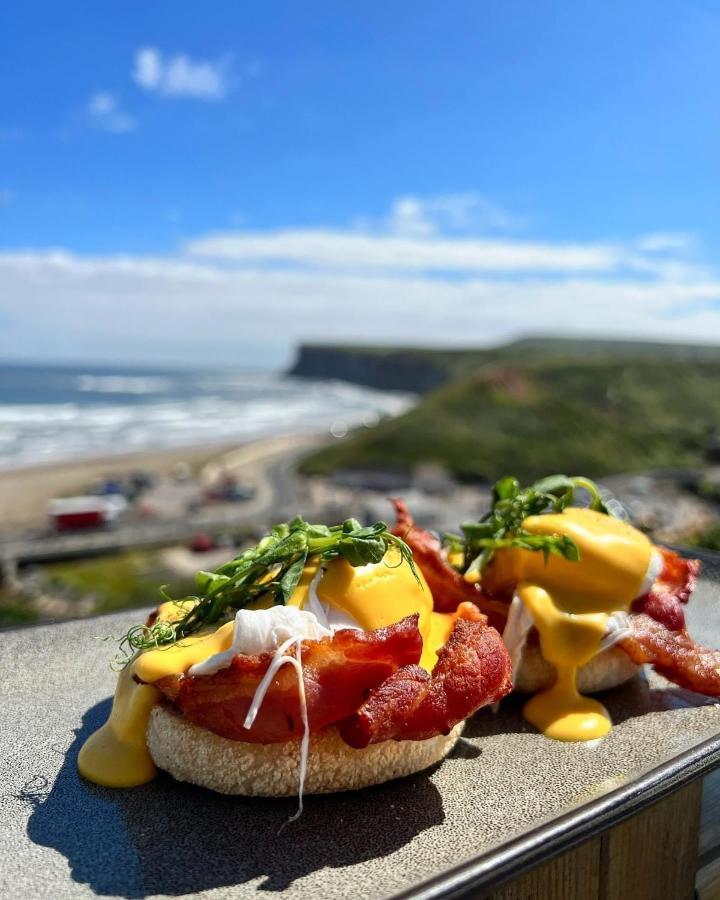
<point>419,234</point>
<point>231,290</point>
<point>180,76</point>
<point>448,234</point>
<point>349,250</point>
<point>662,241</point>
<point>415,216</point>
<point>216,309</point>
<point>105,112</point>
<point>7,195</point>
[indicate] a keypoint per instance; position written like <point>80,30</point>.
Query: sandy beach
<point>24,492</point>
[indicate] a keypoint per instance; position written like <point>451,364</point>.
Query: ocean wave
<point>219,411</point>
<point>40,413</point>
<point>123,384</point>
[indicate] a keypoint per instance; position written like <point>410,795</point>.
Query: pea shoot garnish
<point>270,570</point>
<point>502,527</point>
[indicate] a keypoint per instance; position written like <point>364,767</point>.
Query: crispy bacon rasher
<point>447,585</point>
<point>473,669</point>
<point>664,601</point>
<point>673,654</point>
<point>368,681</point>
<point>338,674</point>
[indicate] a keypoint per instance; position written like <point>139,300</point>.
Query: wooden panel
<point>573,876</point>
<point>710,823</point>
<point>707,883</point>
<point>654,855</point>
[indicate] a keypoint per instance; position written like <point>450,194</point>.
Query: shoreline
<point>25,491</point>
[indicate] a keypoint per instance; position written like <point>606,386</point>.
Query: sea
<point>52,414</point>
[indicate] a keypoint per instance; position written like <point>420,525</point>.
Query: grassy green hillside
<point>422,369</point>
<point>599,416</point>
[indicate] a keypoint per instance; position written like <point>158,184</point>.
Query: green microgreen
<point>502,527</point>
<point>272,570</point>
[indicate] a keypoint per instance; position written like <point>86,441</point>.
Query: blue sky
<point>189,178</point>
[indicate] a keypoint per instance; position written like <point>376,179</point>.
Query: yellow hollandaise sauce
<point>117,754</point>
<point>568,641</point>
<point>570,603</point>
<point>373,596</point>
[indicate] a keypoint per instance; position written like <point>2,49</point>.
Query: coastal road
<point>275,499</point>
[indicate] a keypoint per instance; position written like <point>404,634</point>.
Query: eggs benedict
<point>582,599</point>
<point>314,661</point>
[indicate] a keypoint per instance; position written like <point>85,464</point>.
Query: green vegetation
<point>599,416</point>
<point>122,581</point>
<point>16,610</point>
<point>420,369</point>
<point>708,540</point>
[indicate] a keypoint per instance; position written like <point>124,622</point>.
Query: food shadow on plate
<point>638,697</point>
<point>172,838</point>
<point>506,719</point>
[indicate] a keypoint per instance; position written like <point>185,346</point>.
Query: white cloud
<point>180,76</point>
<point>7,195</point>
<point>661,241</point>
<point>409,217</point>
<point>340,250</point>
<point>415,216</point>
<point>169,304</point>
<point>223,295</point>
<point>105,112</point>
<point>445,233</point>
<point>439,234</point>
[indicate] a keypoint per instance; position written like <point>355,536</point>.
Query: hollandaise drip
<point>117,755</point>
<point>577,608</point>
<point>568,641</point>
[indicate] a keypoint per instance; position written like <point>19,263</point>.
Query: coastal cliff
<point>421,370</point>
<point>418,371</point>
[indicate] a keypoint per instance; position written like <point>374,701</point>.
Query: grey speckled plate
<point>505,799</point>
